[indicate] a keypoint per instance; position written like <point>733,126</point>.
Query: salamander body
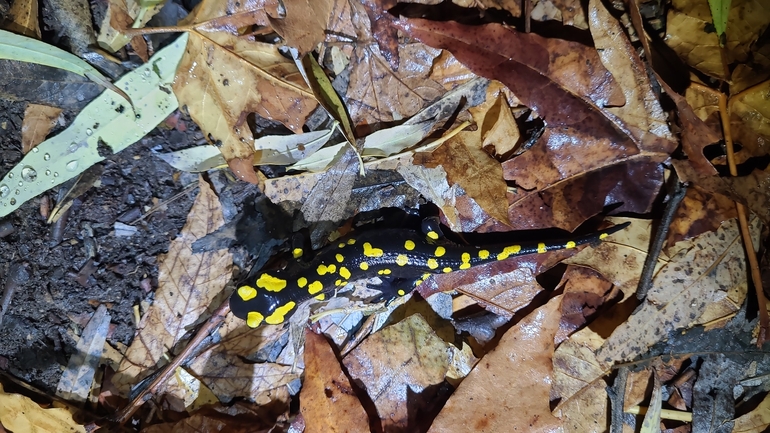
<point>392,253</point>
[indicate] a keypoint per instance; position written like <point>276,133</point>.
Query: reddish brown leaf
<point>328,402</point>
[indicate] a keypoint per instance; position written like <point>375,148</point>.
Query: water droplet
<point>73,147</point>
<point>35,150</point>
<point>28,173</point>
<point>17,192</point>
<point>13,201</point>
<point>89,131</point>
<point>55,174</point>
<point>21,183</point>
<point>4,191</point>
<point>146,73</point>
<point>48,172</point>
<point>46,157</point>
<point>72,165</point>
<point>10,175</point>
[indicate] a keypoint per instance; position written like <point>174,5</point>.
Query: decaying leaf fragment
<point>187,285</point>
<point>703,272</point>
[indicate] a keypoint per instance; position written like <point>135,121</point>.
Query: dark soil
<point>88,265</point>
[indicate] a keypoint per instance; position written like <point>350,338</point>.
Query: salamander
<point>273,295</point>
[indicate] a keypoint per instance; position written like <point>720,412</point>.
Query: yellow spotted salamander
<point>273,295</point>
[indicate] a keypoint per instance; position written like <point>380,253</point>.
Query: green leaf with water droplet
<point>720,10</point>
<point>106,125</point>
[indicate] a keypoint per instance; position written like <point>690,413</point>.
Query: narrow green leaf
<point>720,10</point>
<point>323,89</point>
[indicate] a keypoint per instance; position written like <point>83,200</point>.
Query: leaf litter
<point>605,141</point>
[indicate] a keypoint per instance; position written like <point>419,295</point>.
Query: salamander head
<point>266,301</point>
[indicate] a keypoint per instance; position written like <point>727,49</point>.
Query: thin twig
<point>764,320</point>
<point>211,325</point>
<point>677,191</point>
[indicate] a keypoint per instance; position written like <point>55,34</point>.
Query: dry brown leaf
<point>499,131</point>
<point>376,92</point>
<point>305,23</point>
<point>509,388</point>
<point>585,291</point>
<point>751,111</point>
<point>38,122</point>
<point>578,384</point>
<point>467,165</point>
<point>700,211</point>
<point>620,258</point>
<point>752,190</point>
<point>24,18</point>
<point>187,284</point>
<point>755,421</point>
<point>695,286</point>
<point>120,15</point>
<point>398,366</point>
<point>219,65</point>
<point>641,113</point>
<point>328,402</point>
<point>21,414</point>
<point>687,34</point>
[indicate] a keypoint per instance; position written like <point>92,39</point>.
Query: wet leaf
<point>107,125</point>
<point>490,398</point>
<point>702,273</point>
<point>398,366</point>
<point>328,401</point>
<point>187,285</point>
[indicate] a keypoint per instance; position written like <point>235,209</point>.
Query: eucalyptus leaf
<point>105,125</point>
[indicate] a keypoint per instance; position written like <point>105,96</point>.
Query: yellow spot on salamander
<point>466,258</point>
<point>409,245</point>
<point>402,260</point>
<point>440,251</point>
<point>340,258</point>
<point>401,292</point>
<point>483,254</point>
<point>447,270</point>
<point>432,264</point>
<point>280,313</point>
<point>570,244</point>
<point>302,282</point>
<point>541,248</point>
<point>417,283</point>
<point>351,241</point>
<point>508,251</point>
<point>324,269</point>
<point>465,265</point>
<point>247,293</point>
<point>254,319</point>
<point>364,266</point>
<point>602,236</point>
<point>341,245</point>
<point>320,297</point>
<point>297,253</point>
<point>371,252</point>
<point>315,287</point>
<point>271,283</point>
<point>338,283</point>
<point>433,235</point>
<point>383,272</point>
<point>344,272</point>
